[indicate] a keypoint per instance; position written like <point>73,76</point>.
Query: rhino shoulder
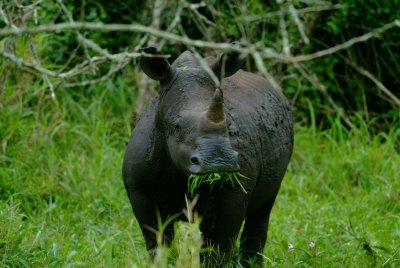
<point>140,152</point>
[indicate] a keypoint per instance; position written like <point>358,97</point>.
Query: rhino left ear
<point>156,68</point>
<point>227,64</point>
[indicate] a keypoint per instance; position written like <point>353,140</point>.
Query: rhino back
<point>260,125</point>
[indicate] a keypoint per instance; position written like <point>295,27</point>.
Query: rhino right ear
<point>156,68</point>
<point>227,64</point>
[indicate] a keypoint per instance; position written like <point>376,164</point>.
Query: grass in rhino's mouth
<point>195,180</point>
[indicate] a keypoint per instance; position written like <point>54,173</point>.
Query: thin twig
<point>202,62</point>
<point>28,7</point>
<point>195,7</point>
<point>4,16</point>
<point>38,63</point>
<point>261,68</point>
<point>177,17</point>
<point>112,71</point>
<point>371,77</point>
<point>313,79</point>
<point>70,58</point>
<point>294,13</point>
<point>284,33</point>
<point>85,42</point>
<point>20,62</point>
<point>299,11</point>
<point>189,211</point>
<point>206,67</point>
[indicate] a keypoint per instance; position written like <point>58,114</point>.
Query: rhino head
<point>191,114</point>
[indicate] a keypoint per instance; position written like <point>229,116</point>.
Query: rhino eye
<point>177,130</point>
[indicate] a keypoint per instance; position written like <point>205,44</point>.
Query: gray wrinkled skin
<point>249,129</point>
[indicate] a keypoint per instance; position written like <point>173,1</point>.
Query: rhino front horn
<point>215,112</point>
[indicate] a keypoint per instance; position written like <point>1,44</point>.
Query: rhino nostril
<point>195,160</point>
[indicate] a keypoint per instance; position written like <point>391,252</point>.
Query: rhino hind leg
<point>254,236</point>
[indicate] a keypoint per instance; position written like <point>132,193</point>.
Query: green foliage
<point>187,244</point>
<point>60,182</point>
<point>380,56</point>
<point>62,200</point>
<point>257,22</point>
<point>342,186</point>
<point>252,22</point>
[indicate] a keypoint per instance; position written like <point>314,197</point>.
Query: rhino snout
<point>221,162</point>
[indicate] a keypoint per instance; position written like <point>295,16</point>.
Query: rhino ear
<point>154,67</point>
<point>227,64</point>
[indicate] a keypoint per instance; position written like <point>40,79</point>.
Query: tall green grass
<point>339,205</point>
<point>62,201</point>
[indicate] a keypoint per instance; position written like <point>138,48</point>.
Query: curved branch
<point>265,53</point>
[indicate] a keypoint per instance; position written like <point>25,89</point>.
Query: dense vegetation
<point>62,201</point>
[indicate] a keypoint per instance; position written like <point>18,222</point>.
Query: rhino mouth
<point>215,178</point>
<point>196,170</point>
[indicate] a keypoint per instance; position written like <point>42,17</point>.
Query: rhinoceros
<point>194,126</point>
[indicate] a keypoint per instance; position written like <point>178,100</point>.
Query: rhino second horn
<point>215,112</point>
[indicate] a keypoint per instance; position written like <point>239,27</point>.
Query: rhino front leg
<point>230,208</point>
<point>153,214</point>
<point>144,208</point>
<point>254,236</point>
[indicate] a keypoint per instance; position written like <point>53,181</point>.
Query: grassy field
<point>62,201</point>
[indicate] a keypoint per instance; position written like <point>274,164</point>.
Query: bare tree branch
<point>154,36</point>
<point>156,21</point>
<point>59,27</point>
<point>38,63</point>
<point>146,87</point>
<point>113,70</point>
<point>305,10</point>
<point>261,68</point>
<point>347,44</point>
<point>313,79</point>
<point>371,77</point>
<point>79,69</point>
<point>33,66</point>
<point>85,42</point>
<point>206,67</point>
<point>265,53</point>
<point>4,16</point>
